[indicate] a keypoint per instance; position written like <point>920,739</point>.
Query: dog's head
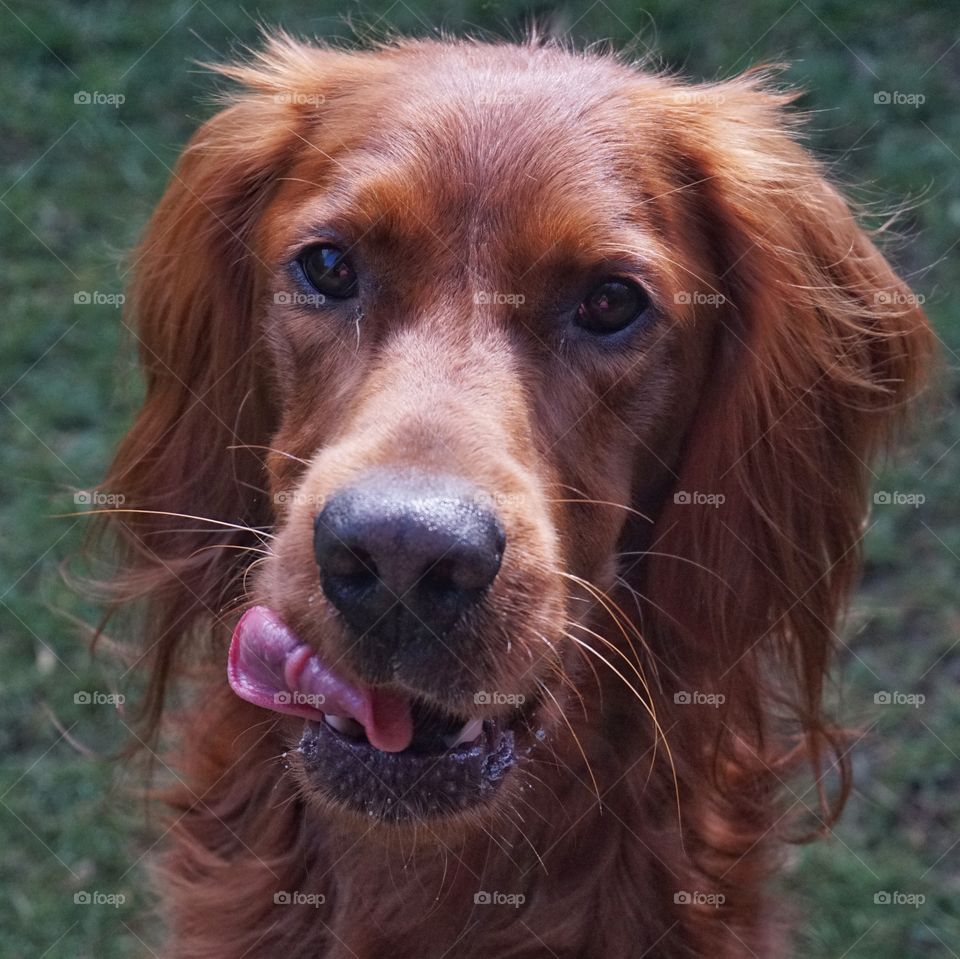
<point>494,340</point>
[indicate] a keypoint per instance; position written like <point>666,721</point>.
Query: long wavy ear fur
<point>190,469</point>
<point>820,347</point>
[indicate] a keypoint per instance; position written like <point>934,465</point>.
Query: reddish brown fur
<point>454,168</point>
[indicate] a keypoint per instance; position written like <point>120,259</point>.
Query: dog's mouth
<point>375,750</point>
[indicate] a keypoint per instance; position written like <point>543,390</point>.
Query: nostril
<point>471,566</point>
<point>353,562</point>
<point>438,576</point>
<point>349,572</point>
<point>450,576</point>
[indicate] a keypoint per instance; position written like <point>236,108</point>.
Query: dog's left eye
<point>612,306</point>
<point>329,271</point>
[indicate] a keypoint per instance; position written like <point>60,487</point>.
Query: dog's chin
<point>455,771</point>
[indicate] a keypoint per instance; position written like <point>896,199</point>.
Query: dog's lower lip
<point>410,785</point>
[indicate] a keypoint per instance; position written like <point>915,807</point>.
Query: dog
<point>494,500</point>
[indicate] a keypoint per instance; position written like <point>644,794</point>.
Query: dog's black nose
<point>406,553</point>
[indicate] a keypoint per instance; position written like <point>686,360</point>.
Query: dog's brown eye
<point>612,306</point>
<point>329,271</point>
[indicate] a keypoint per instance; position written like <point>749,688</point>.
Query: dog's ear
<point>819,348</point>
<point>192,449</point>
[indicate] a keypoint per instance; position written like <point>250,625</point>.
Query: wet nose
<point>407,544</point>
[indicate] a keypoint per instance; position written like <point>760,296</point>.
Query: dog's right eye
<point>329,271</point>
<point>612,306</point>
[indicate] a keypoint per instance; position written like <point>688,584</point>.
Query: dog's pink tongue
<point>269,666</point>
<point>391,722</point>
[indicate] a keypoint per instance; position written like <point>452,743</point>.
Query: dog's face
<point>460,304</point>
<point>492,302</point>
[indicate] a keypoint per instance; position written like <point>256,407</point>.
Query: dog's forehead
<point>466,144</point>
<point>495,101</point>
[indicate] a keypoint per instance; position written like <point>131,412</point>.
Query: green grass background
<point>78,183</point>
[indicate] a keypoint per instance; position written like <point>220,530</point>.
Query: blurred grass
<point>78,183</point>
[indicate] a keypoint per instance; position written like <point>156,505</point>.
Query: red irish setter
<point>521,403</point>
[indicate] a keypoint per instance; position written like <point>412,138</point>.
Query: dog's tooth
<point>468,733</point>
<point>344,725</point>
